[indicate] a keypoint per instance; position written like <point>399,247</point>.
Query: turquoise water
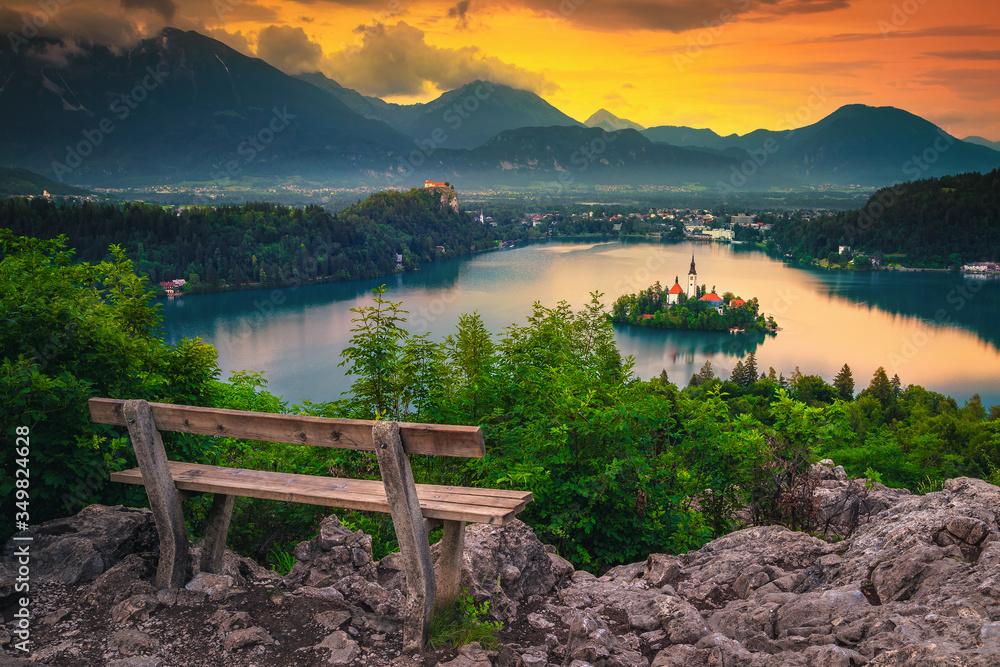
<point>939,330</point>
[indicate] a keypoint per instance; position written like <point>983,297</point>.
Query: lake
<point>938,330</point>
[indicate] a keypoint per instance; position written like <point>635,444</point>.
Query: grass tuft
<point>462,622</point>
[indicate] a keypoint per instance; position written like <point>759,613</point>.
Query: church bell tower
<point>692,290</point>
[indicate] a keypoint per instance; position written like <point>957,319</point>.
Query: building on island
<point>432,184</point>
<point>692,290</point>
<point>713,300</point>
<point>674,295</point>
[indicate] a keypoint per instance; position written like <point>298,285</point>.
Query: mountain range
<point>184,108</point>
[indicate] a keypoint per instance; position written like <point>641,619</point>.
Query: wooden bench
<point>413,506</point>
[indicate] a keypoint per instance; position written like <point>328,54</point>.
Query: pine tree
<point>751,368</point>
<point>880,388</point>
<point>897,386</point>
<point>739,374</point>
<point>844,382</point>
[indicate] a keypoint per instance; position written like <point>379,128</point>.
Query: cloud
<point>165,8</point>
<point>396,60</point>
<point>970,84</point>
<point>672,15</point>
<point>460,12</point>
<point>289,49</point>
<point>938,31</point>
<point>971,54</point>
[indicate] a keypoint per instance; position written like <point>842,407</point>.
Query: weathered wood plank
<point>448,568</point>
<point>334,492</point>
<point>411,533</point>
<point>163,497</point>
<point>434,439</point>
<point>216,529</point>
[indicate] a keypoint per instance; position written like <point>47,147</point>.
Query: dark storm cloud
<point>289,49</point>
<point>397,60</point>
<point>460,12</point>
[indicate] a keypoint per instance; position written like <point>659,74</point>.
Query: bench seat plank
<point>436,502</point>
<point>435,439</point>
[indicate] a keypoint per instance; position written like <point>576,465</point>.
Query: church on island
<point>691,309</point>
<point>711,298</point>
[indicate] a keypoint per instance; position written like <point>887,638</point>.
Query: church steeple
<point>692,290</point>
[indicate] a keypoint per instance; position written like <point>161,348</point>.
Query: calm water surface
<point>938,330</point>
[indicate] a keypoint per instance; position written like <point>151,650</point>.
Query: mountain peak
<point>605,119</point>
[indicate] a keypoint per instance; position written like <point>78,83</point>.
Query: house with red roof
<point>713,300</point>
<point>736,303</point>
<point>432,184</point>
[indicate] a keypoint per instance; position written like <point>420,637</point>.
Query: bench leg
<point>411,532</point>
<point>163,497</point>
<point>216,530</point>
<point>448,570</point>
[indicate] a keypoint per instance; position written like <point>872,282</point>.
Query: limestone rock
<point>504,564</point>
<point>336,552</point>
<point>213,585</point>
<point>129,641</point>
<point>247,637</point>
<point>78,549</point>
<point>470,655</point>
<point>136,608</point>
<point>343,649</point>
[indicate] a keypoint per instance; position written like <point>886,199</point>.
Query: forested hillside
<point>20,182</point>
<point>934,222</point>
<point>259,244</point>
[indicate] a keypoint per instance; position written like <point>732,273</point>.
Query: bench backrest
<point>436,439</point>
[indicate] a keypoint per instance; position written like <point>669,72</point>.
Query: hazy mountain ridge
<point>178,106</point>
<point>606,120</point>
<point>185,107</point>
<point>982,141</point>
<point>24,182</point>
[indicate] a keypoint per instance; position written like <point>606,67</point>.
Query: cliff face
<point>916,583</point>
<point>447,196</point>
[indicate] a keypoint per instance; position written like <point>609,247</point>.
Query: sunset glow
<point>732,65</point>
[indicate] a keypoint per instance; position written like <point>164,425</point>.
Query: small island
<point>695,308</point>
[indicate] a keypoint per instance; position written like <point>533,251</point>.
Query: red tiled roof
<point>647,317</point>
<point>737,302</point>
<point>711,296</point>
<point>676,289</point>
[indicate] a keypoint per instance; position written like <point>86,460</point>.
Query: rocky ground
<point>917,583</point>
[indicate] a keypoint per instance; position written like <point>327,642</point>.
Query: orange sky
<point>732,65</point>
